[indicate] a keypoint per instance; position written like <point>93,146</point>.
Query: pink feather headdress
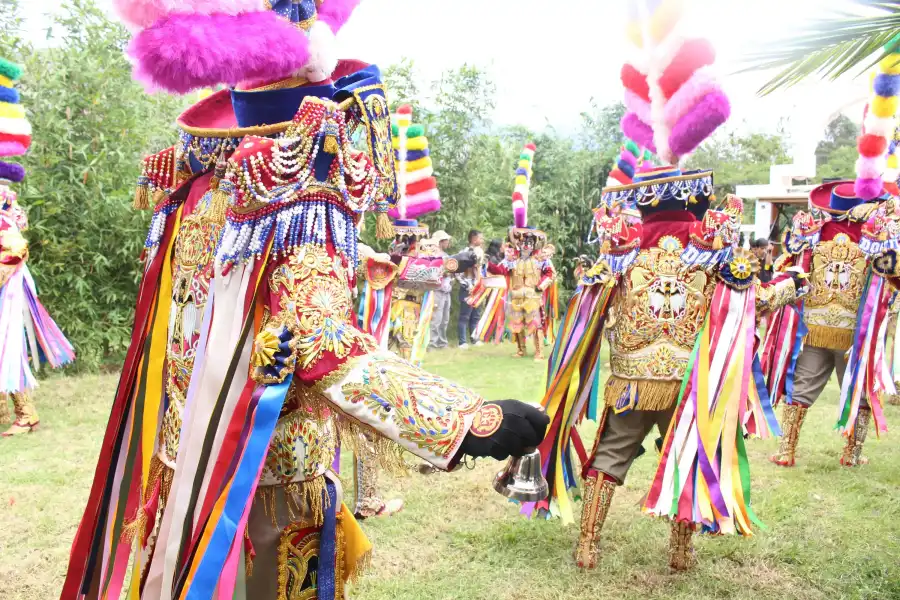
<point>673,100</point>
<point>183,45</point>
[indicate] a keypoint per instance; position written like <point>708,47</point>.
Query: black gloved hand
<point>505,428</point>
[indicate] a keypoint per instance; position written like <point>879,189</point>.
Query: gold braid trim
<point>833,338</point>
<point>337,375</point>
<point>305,499</point>
<point>651,395</point>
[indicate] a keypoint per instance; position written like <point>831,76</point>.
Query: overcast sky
<point>550,58</point>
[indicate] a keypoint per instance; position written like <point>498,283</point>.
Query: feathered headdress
<point>523,183</point>
<point>673,99</point>
<point>877,163</point>
<point>183,45</point>
<point>416,185</point>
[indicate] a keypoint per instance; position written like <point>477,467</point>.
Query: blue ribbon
<point>271,399</point>
<point>764,399</point>
<point>325,584</point>
<point>795,353</point>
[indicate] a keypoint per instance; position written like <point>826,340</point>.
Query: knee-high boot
<point>791,422</point>
<point>598,495</point>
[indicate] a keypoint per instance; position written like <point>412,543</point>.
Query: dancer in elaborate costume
<point>273,356</point>
<point>26,330</point>
<point>678,301</point>
<point>528,272</point>
<point>841,326</point>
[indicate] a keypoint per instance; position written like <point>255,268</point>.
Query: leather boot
<point>791,422</point>
<point>681,547</point>
<point>5,415</point>
<point>26,415</point>
<point>852,456</point>
<point>538,346</point>
<point>598,495</point>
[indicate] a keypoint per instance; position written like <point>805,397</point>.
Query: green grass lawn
<point>832,532</point>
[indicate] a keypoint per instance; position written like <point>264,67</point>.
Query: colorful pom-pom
<point>692,55</point>
<point>868,189</point>
<point>638,131</point>
<point>635,81</point>
<point>890,64</point>
<point>10,70</point>
<point>632,148</point>
<point>12,172</point>
<point>699,123</point>
<point>884,107</point>
<point>870,168</point>
<point>415,131</point>
<point>886,85</point>
<point>870,145</point>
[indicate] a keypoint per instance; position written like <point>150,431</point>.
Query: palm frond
<point>831,47</point>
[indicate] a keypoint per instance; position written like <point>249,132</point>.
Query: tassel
<point>220,200</point>
<point>384,229</point>
<point>141,197</point>
<point>158,196</point>
<point>218,205</point>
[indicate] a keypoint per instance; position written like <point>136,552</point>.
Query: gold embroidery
<point>836,282</point>
<point>658,314</point>
<point>317,297</point>
<point>487,421</point>
<point>298,562</point>
<point>300,449</point>
<point>427,410</point>
<point>192,271</point>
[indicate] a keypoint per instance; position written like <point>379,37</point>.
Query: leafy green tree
<point>92,125</point>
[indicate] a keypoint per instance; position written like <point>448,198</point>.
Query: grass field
<point>832,532</point>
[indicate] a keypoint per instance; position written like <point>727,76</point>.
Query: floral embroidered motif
<point>427,410</point>
<point>317,297</point>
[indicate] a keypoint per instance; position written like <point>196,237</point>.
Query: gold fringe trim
<point>833,338</point>
<point>218,204</point>
<point>384,229</point>
<point>651,395</point>
<point>362,566</point>
<point>306,499</point>
<point>141,197</point>
<point>248,559</point>
<point>388,454</point>
<point>159,473</point>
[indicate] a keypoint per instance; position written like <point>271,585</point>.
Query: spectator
<point>441,317</point>
<point>762,249</point>
<point>468,316</point>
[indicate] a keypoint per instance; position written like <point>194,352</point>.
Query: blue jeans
<point>468,320</point>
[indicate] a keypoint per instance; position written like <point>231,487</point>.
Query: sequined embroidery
<point>427,410</point>
<point>301,449</point>
<point>658,314</point>
<point>836,282</point>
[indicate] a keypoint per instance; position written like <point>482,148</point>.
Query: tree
<point>833,46</point>
<point>91,126</point>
